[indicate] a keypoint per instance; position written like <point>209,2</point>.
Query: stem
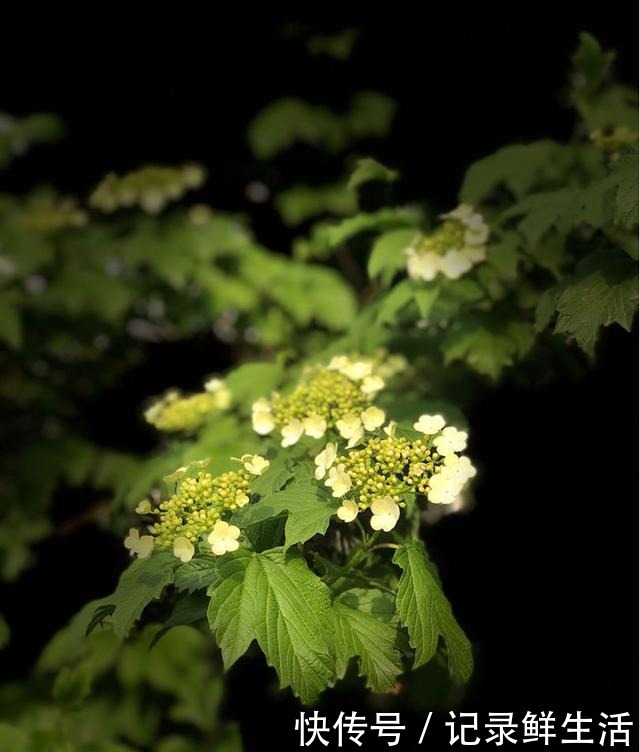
<point>375,583</point>
<point>363,532</point>
<point>355,557</point>
<point>394,546</point>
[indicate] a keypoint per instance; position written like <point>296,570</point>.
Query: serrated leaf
<point>369,169</point>
<point>486,345</point>
<point>308,509</point>
<point>365,630</point>
<point>519,168</point>
<point>275,599</point>
<point>196,574</point>
<point>426,612</point>
<point>141,583</point>
<point>387,255</point>
<point>605,292</point>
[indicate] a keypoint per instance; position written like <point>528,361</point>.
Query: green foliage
<point>603,291</point>
<point>426,613</point>
<point>546,250</point>
<point>308,510</point>
<point>274,599</point>
<point>289,121</point>
<point>369,170</point>
<point>141,583</point>
<point>365,630</point>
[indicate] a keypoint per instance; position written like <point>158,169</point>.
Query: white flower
<point>358,370</point>
<point>261,405</point>
<point>255,464</point>
<point>371,384</point>
<point>144,507</point>
<point>338,363</point>
<point>461,212</point>
<point>263,422</point>
<point>154,411</point>
<point>141,546</point>
<point>183,549</point>
<point>223,538</point>
<point>390,428</point>
<point>349,426</point>
<point>315,426</point>
<point>241,499</point>
<point>339,481</point>
<point>214,385</point>
<point>476,235</point>
<point>291,432</point>
<point>454,264</point>
<point>429,424</point>
<point>450,440</point>
<point>372,418</point>
<point>385,514</point>
<point>423,265</point>
<point>348,511</point>
<point>324,460</point>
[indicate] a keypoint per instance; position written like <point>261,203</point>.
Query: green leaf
<point>387,255</point>
<point>605,292</point>
<point>519,168</point>
<point>364,631</point>
<point>504,256</point>
<point>394,301</point>
<point>425,298</point>
<point>143,581</point>
<point>196,574</point>
<point>309,510</point>
<point>426,613</point>
<point>377,221</point>
<point>369,169</point>
<point>487,345</point>
<point>253,380</point>
<point>302,202</point>
<point>624,176</point>
<point>275,599</point>
<point>590,63</point>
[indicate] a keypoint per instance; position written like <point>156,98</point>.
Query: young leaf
<point>309,511</point>
<point>364,631</point>
<point>275,599</point>
<point>426,613</point>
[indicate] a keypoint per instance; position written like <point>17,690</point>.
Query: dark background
<point>543,572</point>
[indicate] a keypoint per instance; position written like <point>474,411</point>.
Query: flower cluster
<point>150,188</point>
<point>195,511</point>
<point>177,413</point>
<point>388,466</point>
<point>335,396</point>
<point>452,249</point>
